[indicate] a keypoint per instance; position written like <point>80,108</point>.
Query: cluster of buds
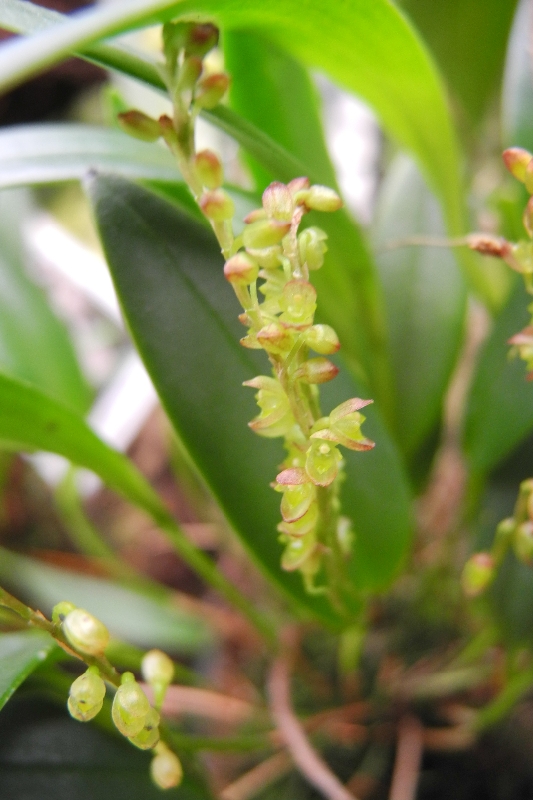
<point>275,261</point>
<point>132,713</point>
<point>518,255</point>
<point>513,533</point>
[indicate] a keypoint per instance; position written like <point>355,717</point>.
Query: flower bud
<point>274,338</point>
<point>200,39</point>
<point>217,205</point>
<point>267,257</point>
<point>85,633</point>
<point>305,523</point>
<point>60,611</point>
<point>298,551</point>
<point>520,257</point>
<point>523,542</point>
<point>296,501</point>
<point>148,737</point>
<point>158,671</point>
<point>255,215</point>
<point>477,574</point>
<point>516,160</point>
<point>211,90</point>
<point>322,339</point>
<point>316,370</point>
<point>86,696</point>
<point>209,169</point>
<point>322,462</point>
<point>298,302</point>
<point>298,184</point>
<point>130,706</point>
<point>137,124</point>
<point>319,198</point>
<point>312,246</point>
<point>166,769</point>
<point>264,233</point>
<point>278,202</point>
<point>241,268</point>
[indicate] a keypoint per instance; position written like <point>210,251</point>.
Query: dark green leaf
<point>274,92</point>
<point>46,754</point>
<point>500,406</point>
<point>20,654</point>
<point>188,338</point>
<point>468,39</point>
<point>517,94</point>
<point>34,344</point>
<point>129,615</point>
<point>425,299</point>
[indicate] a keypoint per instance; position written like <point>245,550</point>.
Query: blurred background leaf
<point>20,654</point>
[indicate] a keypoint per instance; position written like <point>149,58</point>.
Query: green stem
<point>504,702</point>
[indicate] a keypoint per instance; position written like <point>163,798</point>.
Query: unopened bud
<point>516,160</point>
<point>316,370</point>
<point>322,462</point>
<point>298,184</point>
<point>217,205</point>
<point>166,769</point>
<point>130,706</point>
<point>477,574</point>
<point>85,633</point>
<point>137,124</point>
<point>304,524</point>
<point>274,338</point>
<point>298,302</point>
<point>264,233</point>
<point>211,90</point>
<point>201,39</point>
<point>523,542</point>
<point>297,551</point>
<point>156,667</point>
<point>319,198</point>
<point>322,339</point>
<point>86,696</point>
<point>296,501</point>
<point>60,611</point>
<point>312,246</point>
<point>267,257</point>
<point>241,268</point>
<point>148,737</point>
<point>278,202</point>
<point>209,169</point>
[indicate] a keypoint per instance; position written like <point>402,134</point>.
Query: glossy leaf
<point>129,615</point>
<point>20,654</point>
<point>273,91</point>
<point>500,405</point>
<point>188,338</point>
<point>368,47</point>
<point>517,93</point>
<point>44,753</point>
<point>34,344</point>
<point>425,299</point>
<point>52,152</point>
<point>468,39</point>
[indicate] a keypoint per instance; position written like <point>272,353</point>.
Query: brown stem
<point>308,761</point>
<point>408,758</point>
<point>258,778</point>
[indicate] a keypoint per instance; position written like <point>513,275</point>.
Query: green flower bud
<point>60,611</point>
<point>264,233</point>
<point>274,338</point>
<point>523,542</point>
<point>319,198</point>
<point>200,39</point>
<point>317,370</point>
<point>241,268</point>
<point>158,671</point>
<point>322,339</point>
<point>267,257</point>
<point>521,259</point>
<point>148,737</point>
<point>298,551</point>
<point>137,124</point>
<point>296,501</point>
<point>217,205</point>
<point>86,696</point>
<point>278,202</point>
<point>209,169</point>
<point>166,769</point>
<point>211,90</point>
<point>276,418</point>
<point>85,633</point>
<point>298,302</point>
<point>130,706</point>
<point>516,160</point>
<point>304,525</point>
<point>322,462</point>
<point>477,574</point>
<point>312,246</point>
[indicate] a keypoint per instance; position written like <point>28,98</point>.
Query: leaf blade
<point>20,654</point>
